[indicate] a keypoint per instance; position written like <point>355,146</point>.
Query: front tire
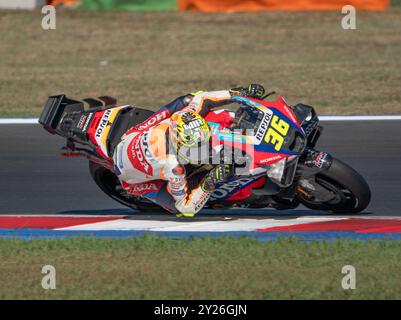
<point>350,191</point>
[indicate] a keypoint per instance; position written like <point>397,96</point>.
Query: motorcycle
<point>271,143</point>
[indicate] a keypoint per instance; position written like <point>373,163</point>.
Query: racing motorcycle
<point>283,169</point>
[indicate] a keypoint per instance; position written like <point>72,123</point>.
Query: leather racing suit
<point>145,166</point>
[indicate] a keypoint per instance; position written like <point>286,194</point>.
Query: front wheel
<point>339,189</point>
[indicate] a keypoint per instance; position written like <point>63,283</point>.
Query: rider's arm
<point>189,197</point>
<point>200,103</point>
<point>203,102</point>
<point>187,200</point>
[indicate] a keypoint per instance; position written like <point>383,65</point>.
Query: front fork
<point>312,163</point>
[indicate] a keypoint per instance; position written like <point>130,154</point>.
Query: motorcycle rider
<point>156,151</point>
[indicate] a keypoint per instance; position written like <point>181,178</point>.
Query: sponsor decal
<point>320,160</point>
<point>178,193</point>
<point>177,185</point>
<point>132,154</point>
<point>100,134</point>
<point>230,188</point>
<point>144,187</point>
<point>140,156</point>
<point>88,120</point>
<point>193,124</point>
<point>275,158</point>
<point>290,113</point>
<point>145,144</point>
<point>153,120</point>
<point>263,126</point>
<point>103,123</point>
<point>137,156</point>
<point>81,121</point>
<point>177,181</point>
<point>201,201</point>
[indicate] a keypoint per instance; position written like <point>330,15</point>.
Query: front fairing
<point>267,132</point>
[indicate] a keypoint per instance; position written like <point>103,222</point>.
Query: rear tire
<point>108,182</point>
<point>351,189</point>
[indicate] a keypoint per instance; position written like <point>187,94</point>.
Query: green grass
<point>396,3</point>
<point>156,268</point>
<point>147,59</point>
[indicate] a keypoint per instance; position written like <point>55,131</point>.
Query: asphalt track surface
<point>34,179</point>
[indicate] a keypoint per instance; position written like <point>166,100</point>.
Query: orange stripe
<point>162,176</point>
<point>258,5</point>
<point>157,140</point>
<point>202,102</point>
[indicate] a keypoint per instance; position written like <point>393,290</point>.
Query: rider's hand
<point>253,90</point>
<point>218,174</point>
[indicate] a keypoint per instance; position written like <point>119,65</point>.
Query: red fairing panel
<point>224,118</point>
<point>282,106</point>
<point>144,187</point>
<point>137,157</point>
<point>92,132</point>
<point>246,191</point>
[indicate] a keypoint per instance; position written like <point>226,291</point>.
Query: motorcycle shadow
<point>212,215</point>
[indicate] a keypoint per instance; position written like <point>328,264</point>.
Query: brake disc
<point>319,191</point>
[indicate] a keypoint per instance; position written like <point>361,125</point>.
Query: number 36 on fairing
<point>277,131</point>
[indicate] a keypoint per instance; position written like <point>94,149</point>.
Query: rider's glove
<point>218,174</point>
<point>253,90</point>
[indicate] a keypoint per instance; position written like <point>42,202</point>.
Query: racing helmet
<point>189,136</point>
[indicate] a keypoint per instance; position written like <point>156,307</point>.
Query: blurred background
<point>146,52</point>
<point>206,5</point>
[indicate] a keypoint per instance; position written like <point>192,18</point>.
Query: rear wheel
<point>108,182</point>
<point>339,189</point>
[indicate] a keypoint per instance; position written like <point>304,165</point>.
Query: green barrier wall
<point>131,5</point>
<point>147,5</point>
